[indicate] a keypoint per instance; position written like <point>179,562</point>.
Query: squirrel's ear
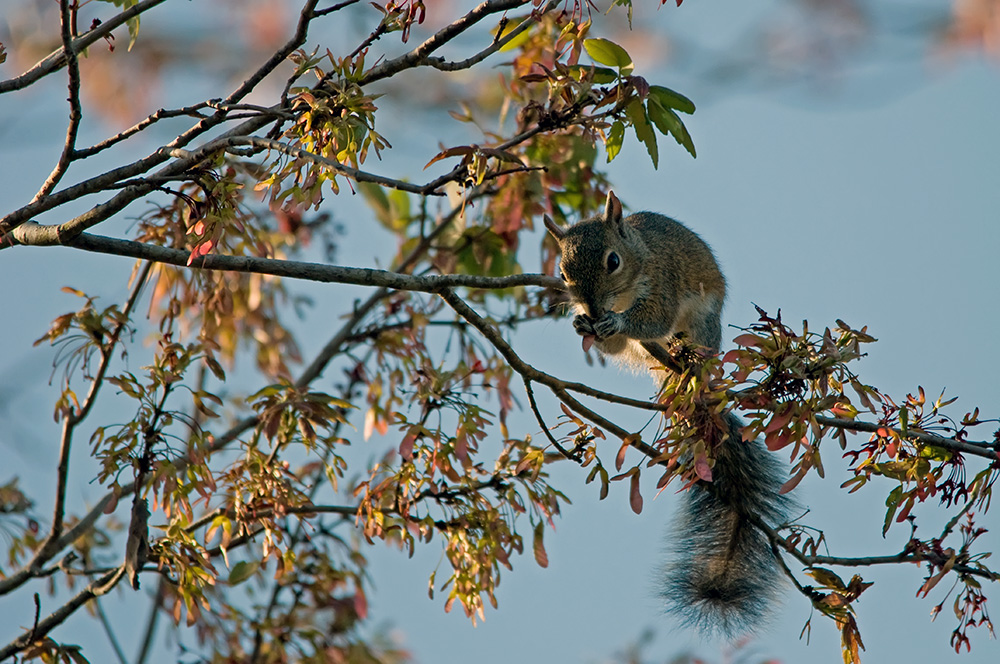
<point>557,233</point>
<point>613,209</point>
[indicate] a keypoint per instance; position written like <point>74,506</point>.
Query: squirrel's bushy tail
<point>723,576</point>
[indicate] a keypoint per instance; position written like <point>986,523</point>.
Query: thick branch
<point>294,269</point>
<point>96,588</point>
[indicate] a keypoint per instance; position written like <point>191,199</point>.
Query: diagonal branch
<point>57,59</point>
<point>96,588</point>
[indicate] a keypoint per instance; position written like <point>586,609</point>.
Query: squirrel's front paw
<point>584,325</point>
<point>608,325</point>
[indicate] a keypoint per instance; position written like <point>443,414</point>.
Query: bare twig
<point>112,638</point>
<point>71,420</point>
<point>57,59</point>
<point>75,108</point>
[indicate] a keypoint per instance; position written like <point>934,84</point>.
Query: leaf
<point>826,578</point>
<point>670,123</point>
<point>464,150</point>
<point>792,483</point>
<point>636,112</point>
<point>538,546</point>
<point>242,571</point>
<point>634,497</point>
<point>613,142</point>
<point>601,75</point>
<point>608,53</point>
<point>620,457</point>
<point>668,98</point>
<point>701,467</point>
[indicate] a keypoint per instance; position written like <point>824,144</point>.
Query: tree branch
<point>96,588</point>
<point>292,269</point>
<point>75,108</point>
<point>57,59</point>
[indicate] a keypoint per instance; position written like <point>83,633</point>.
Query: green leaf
<point>602,75</point>
<point>670,123</point>
<point>242,571</point>
<point>613,144</point>
<point>671,99</point>
<point>608,53</point>
<point>643,130</point>
<point>132,23</point>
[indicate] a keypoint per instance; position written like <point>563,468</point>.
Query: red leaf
<point>360,605</point>
<point>748,340</point>
<point>620,458</point>
<point>538,547</point>
<point>792,483</point>
<point>702,469</point>
<point>406,447</point>
<point>634,497</point>
<point>775,441</point>
<point>778,422</point>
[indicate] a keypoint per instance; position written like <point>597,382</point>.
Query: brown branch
<point>418,57</point>
<point>980,449</point>
<point>335,8</point>
<point>904,556</point>
<point>558,387</point>
<point>97,214</point>
<point>96,588</point>
<point>75,107</point>
<point>71,420</point>
<point>295,269</point>
<point>152,119</point>
<point>57,59</point>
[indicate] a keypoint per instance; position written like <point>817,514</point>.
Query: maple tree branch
<point>75,108</point>
<point>94,589</point>
<point>317,13</point>
<point>71,420</point>
<point>418,57</point>
<point>142,125</point>
<point>907,555</point>
<point>57,58</point>
<point>292,269</point>
<point>985,450</point>
<point>109,631</point>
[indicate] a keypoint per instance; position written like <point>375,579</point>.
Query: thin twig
<point>75,107</point>
<point>109,631</point>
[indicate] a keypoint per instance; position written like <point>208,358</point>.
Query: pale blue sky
<point>874,199</point>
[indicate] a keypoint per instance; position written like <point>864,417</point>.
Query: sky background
<point>868,193</point>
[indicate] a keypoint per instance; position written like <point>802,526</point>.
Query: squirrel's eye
<point>613,262</point>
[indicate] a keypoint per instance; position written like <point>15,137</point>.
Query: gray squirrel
<point>648,278</point>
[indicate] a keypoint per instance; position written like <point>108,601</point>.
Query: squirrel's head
<point>601,258</point>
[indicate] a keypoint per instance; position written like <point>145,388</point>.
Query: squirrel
<point>648,278</point>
